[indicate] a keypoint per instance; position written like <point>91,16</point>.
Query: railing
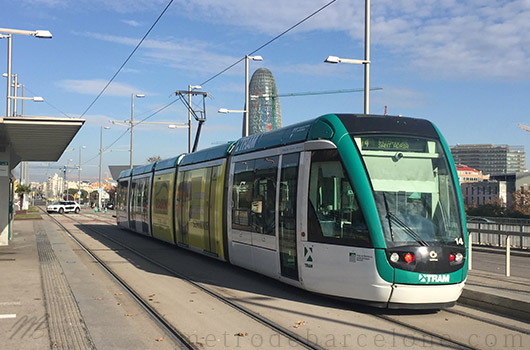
<point>498,235</point>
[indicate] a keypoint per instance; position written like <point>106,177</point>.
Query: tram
<point>366,208</point>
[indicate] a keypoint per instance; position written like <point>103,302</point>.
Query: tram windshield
<point>414,189</point>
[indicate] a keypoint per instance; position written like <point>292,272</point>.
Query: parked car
<point>63,207</point>
<point>478,220</point>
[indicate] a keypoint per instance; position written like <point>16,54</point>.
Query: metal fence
<point>498,235</point>
<point>494,234</point>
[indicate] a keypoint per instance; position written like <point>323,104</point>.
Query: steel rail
<point>247,312</point>
<point>173,333</point>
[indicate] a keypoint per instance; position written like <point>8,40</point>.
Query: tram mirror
<point>397,157</point>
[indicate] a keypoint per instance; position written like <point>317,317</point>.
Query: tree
<point>112,194</point>
<point>21,191</point>
<point>153,159</point>
<point>521,201</point>
<point>491,209</point>
<point>71,194</point>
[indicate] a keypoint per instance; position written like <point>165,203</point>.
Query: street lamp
<point>225,111</point>
<point>177,126</point>
<point>15,96</point>
<point>247,96</point>
<point>132,127</point>
<point>100,159</point>
<point>366,61</point>
<point>79,173</point>
<point>335,60</point>
<point>9,36</point>
<point>65,177</point>
<point>254,58</point>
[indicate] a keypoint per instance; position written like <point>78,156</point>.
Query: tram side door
<point>287,221</point>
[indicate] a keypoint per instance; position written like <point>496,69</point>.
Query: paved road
<point>496,263</point>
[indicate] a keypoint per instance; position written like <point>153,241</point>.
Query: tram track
<point>173,333</point>
<point>180,338</point>
<point>434,336</point>
<point>489,321</point>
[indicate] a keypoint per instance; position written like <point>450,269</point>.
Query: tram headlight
<point>456,258</point>
<point>394,257</point>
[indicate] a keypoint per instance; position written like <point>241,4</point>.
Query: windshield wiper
<point>406,228</point>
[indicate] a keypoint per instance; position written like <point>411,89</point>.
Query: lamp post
<point>335,59</point>
<point>65,178</point>
<point>15,85</point>
<point>225,111</point>
<point>100,160</point>
<point>9,36</point>
<point>132,128</point>
<point>79,173</point>
<point>247,95</point>
<point>366,61</point>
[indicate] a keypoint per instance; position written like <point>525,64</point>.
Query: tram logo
<point>308,257</point>
<point>424,278</point>
<point>433,256</point>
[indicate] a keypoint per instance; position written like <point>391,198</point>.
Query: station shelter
<point>42,139</point>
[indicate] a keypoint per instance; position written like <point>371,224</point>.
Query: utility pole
<point>201,118</point>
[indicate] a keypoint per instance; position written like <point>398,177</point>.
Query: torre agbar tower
<point>264,107</point>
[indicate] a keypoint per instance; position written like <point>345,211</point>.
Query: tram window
<point>242,194</point>
<point>287,215</point>
<point>334,215</point>
<point>264,195</point>
<point>122,195</point>
<point>254,195</point>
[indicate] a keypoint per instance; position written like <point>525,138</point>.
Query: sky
<point>464,65</point>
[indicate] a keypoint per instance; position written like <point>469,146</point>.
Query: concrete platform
<point>53,296</point>
<point>509,296</point>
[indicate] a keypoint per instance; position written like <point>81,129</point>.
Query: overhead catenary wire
<point>205,82</point>
<point>48,103</point>
<point>127,60</point>
<point>129,128</point>
<point>216,75</point>
<point>268,42</point>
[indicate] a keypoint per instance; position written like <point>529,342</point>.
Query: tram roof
<point>362,124</point>
<point>211,153</point>
<point>143,169</point>
<point>125,173</point>
<point>168,163</point>
<point>279,137</point>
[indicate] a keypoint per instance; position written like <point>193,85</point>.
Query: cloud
<point>94,87</point>
<point>119,6</point>
<point>399,98</point>
<point>445,38</point>
<point>131,22</point>
<point>194,55</point>
<point>450,39</point>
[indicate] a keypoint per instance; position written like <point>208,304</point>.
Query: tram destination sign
<point>389,143</point>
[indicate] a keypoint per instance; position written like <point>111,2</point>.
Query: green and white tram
<point>366,208</point>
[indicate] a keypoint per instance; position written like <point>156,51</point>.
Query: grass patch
<point>33,209</point>
<point>31,216</point>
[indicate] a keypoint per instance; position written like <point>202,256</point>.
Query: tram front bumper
<point>425,296</point>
